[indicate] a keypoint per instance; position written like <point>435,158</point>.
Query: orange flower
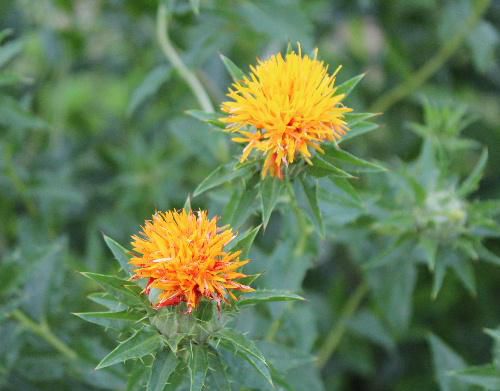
<point>182,254</point>
<point>290,105</point>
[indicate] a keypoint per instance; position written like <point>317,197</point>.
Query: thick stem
<point>337,332</point>
<point>43,331</point>
<point>432,65</point>
<point>176,61</point>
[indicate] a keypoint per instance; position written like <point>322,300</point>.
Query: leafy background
<point>94,139</point>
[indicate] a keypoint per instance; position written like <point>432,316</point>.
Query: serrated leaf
<point>472,182</point>
<point>321,168</point>
<point>107,301</point>
<point>197,366</point>
<point>245,348</point>
<point>149,87</point>
<point>347,86</point>
<point>270,190</point>
<point>338,156</point>
<point>487,376</point>
<point>240,205</point>
<point>355,118</point>
<point>311,191</point>
<point>217,377</point>
<point>359,129</point>
<point>347,188</point>
<point>245,241</point>
<point>164,364</point>
<point>487,255</point>
<point>210,118</point>
<point>429,248</point>
<point>267,296</point>
<point>120,253</point>
<point>222,174</point>
<point>445,360</point>
<point>121,289</point>
<point>235,72</point>
<point>116,320</point>
<point>137,346</point>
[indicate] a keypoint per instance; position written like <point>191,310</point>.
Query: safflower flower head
<point>285,108</point>
<point>183,255</point>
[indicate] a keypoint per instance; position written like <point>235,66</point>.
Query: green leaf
<point>266,296</point>
<point>270,190</point>
<point>487,255</point>
<point>120,253</point>
<point>472,182</point>
<point>359,129</point>
<point>429,248</point>
<point>222,174</point>
<point>487,376</point>
<point>445,360</point>
<point>241,204</point>
<point>187,204</point>
<point>163,366</point>
<point>347,86</point>
<point>465,273</point>
<point>210,118</point>
<point>344,185</point>
<point>137,346</point>
<point>245,241</point>
<point>245,348</point>
<point>313,210</point>
<point>337,156</point>
<point>235,72</point>
<point>179,379</point>
<point>149,87</point>
<point>217,377</point>
<point>355,118</point>
<point>107,301</point>
<point>116,320</point>
<point>121,289</point>
<point>9,51</point>
<point>321,168</point>
<point>197,366</point>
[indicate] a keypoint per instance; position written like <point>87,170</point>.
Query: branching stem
<point>43,331</point>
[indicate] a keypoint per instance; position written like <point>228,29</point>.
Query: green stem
<point>176,61</point>
<point>337,332</point>
<point>432,65</point>
<point>43,331</point>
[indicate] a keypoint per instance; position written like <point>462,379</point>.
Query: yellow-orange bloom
<point>183,255</point>
<point>291,106</point>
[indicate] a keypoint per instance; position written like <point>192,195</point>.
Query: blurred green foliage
<point>94,138</point>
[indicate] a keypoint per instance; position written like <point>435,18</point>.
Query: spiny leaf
<point>338,156</point>
<point>242,346</point>
<point>472,182</point>
<point>267,296</point>
<point>311,191</point>
<point>487,376</point>
<point>120,253</point>
<point>111,319</point>
<point>445,360</point>
<point>121,289</point>
<point>210,118</point>
<point>357,130</point>
<point>197,366</point>
<point>245,241</point>
<point>163,366</point>
<point>347,86</point>
<point>222,174</point>
<point>138,345</point>
<point>270,190</point>
<point>235,72</point>
<point>321,168</point>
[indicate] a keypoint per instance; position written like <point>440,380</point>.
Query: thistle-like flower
<point>284,108</point>
<point>183,255</point>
